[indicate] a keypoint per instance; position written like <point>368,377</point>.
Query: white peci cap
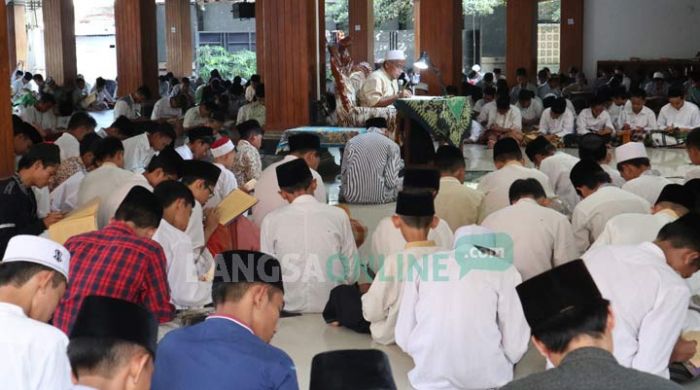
<point>658,75</point>
<point>38,250</point>
<point>630,151</point>
<point>395,55</point>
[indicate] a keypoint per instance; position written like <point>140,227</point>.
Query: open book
<point>235,204</point>
<point>82,220</point>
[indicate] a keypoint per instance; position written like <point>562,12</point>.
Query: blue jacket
<point>220,354</point>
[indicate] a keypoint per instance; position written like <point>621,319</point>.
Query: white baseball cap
<point>395,55</point>
<point>630,151</point>
<point>38,250</point>
<point>658,75</point>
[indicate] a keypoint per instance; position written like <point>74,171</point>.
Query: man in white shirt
<point>542,237</point>
<point>595,148</point>
<point>455,203</point>
<point>33,277</point>
<point>627,229</point>
<point>313,241</point>
<point>224,153</point>
<point>640,119</point>
<point>463,326</point>
<point>557,120</point>
<point>387,239</point>
<point>522,84</point>
<point>618,104</point>
<point>199,141</point>
<point>600,202</point>
<point>201,178</point>
<point>485,105</point>
<point>306,146</point>
<point>198,115</point>
<point>692,146</point>
<point>530,109</point>
<point>508,159</point>
<point>557,166</point>
<point>79,125</point>
<point>415,216</point>
<point>678,114</point>
<point>139,150</point>
<point>100,183</point>
<point>168,108</point>
<point>41,115</point>
<point>120,340</point>
<point>167,165</point>
<point>635,167</point>
<point>504,121</point>
<point>130,105</point>
<point>21,84</point>
<point>595,120</point>
<point>650,319</point>
<point>381,88</point>
<point>186,289</point>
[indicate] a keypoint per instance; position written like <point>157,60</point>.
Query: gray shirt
<point>591,368</point>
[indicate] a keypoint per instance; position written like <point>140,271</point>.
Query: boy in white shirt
<point>503,122</point>
<point>678,114</point>
<point>483,106</point>
<point>595,120</point>
<point>640,119</point>
<point>692,144</point>
<point>530,109</point>
<point>635,167</point>
<point>186,288</point>
<point>415,216</point>
<point>557,120</point>
<point>168,108</point>
<point>618,104</point>
<point>462,324</point>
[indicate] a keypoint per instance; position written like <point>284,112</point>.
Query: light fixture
<point>424,63</point>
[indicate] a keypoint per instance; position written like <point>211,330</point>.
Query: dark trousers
<point>345,307</point>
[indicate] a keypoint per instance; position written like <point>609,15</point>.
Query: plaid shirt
<point>114,262</point>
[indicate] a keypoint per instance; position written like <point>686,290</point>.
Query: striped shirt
<point>370,169</point>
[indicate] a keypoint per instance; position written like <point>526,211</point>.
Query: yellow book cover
<point>82,220</point>
<point>235,204</point>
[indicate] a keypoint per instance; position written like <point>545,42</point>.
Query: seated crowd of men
<point>615,109</point>
<point>585,260</point>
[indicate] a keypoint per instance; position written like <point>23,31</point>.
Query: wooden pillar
<point>260,36</point>
<point>11,40</point>
<point>439,32</point>
<point>21,45</point>
<point>137,55</point>
<point>521,37</point>
<point>178,32</point>
<point>59,40</point>
<point>571,49</point>
<point>7,154</point>
<point>361,26</point>
<point>289,60</point>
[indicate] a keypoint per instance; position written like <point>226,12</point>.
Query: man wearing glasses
<point>201,177</point>
<point>381,88</point>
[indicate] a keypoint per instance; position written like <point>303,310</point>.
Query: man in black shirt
<point>18,208</point>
